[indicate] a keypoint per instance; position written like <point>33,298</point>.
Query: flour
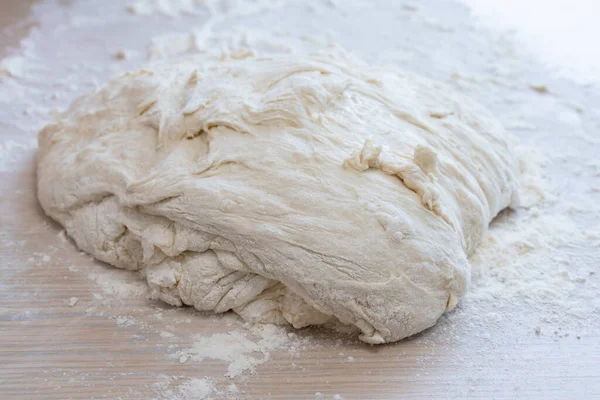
<point>232,388</point>
<point>524,262</point>
<point>119,284</point>
<point>215,9</point>
<point>14,67</point>
<point>168,8</point>
<point>207,40</point>
<point>534,190</point>
<point>11,152</point>
<point>322,396</point>
<point>242,350</point>
<point>125,321</point>
<point>530,259</point>
<point>195,388</point>
<point>185,388</point>
<point>571,33</point>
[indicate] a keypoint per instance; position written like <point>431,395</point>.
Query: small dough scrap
<point>304,190</point>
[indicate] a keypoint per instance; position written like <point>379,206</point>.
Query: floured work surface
<point>76,328</point>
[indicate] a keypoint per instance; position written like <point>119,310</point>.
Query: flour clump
<point>300,190</point>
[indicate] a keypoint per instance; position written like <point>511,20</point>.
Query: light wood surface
<point>50,350</point>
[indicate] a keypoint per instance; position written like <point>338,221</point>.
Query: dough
<point>307,190</point>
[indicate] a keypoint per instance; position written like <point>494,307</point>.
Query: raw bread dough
<point>306,190</point>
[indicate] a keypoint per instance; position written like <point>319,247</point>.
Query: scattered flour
<point>185,388</point>
<point>14,67</point>
<point>125,321</point>
<point>535,190</point>
<point>118,283</point>
<point>232,388</point>
<point>532,257</point>
<point>12,151</point>
<point>168,8</point>
<point>522,261</point>
<point>242,350</point>
<point>195,388</point>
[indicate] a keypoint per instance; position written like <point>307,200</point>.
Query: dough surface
<point>310,189</point>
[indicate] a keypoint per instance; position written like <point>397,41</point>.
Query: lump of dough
<point>292,189</point>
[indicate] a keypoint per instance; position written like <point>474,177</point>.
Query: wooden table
<point>50,349</point>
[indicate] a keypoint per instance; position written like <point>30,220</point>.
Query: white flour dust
<point>118,283</point>
<point>243,350</point>
<point>195,388</point>
<point>182,388</point>
<point>11,152</point>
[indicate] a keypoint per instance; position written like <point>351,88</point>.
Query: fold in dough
<point>306,190</point>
